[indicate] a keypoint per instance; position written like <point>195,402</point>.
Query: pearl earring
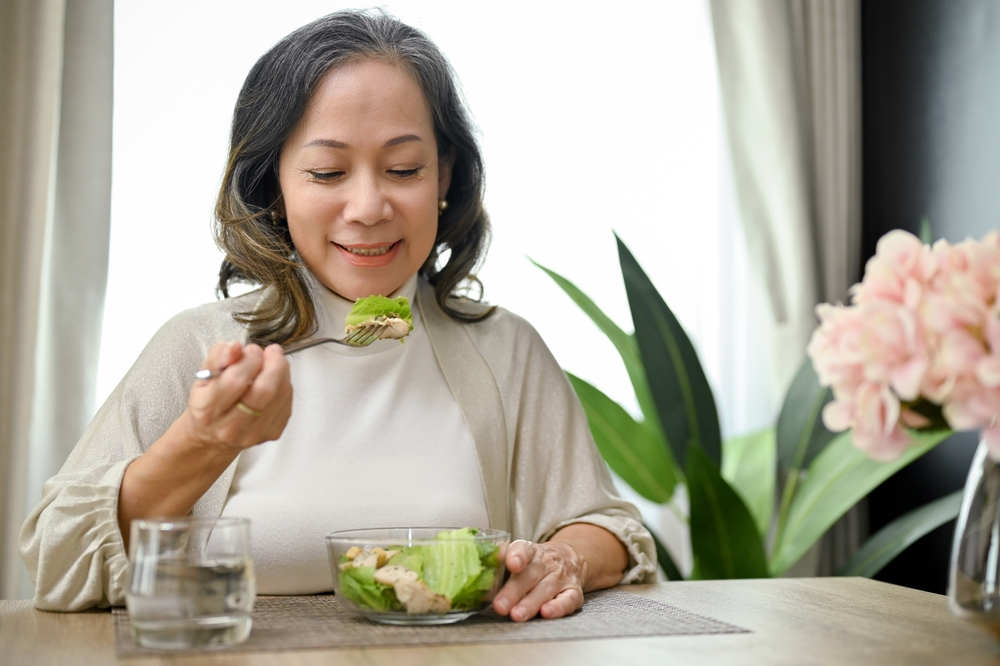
<point>442,205</point>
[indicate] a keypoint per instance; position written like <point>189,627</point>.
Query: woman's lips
<point>369,256</point>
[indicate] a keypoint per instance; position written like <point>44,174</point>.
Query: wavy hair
<point>258,246</point>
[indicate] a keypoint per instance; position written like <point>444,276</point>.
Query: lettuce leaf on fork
<point>375,307</point>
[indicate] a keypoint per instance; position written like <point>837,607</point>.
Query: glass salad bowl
<point>417,575</point>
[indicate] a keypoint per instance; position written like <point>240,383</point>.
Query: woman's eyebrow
<point>401,139</point>
<point>332,143</point>
<point>327,143</point>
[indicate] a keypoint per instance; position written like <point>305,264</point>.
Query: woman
<point>352,171</point>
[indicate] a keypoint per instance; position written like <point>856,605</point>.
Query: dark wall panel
<point>931,115</point>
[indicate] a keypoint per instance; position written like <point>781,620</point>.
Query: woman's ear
<point>445,163</point>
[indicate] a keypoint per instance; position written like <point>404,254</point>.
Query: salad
<point>456,574</point>
<point>393,313</point>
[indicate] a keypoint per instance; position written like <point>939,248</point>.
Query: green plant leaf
<point>800,432</point>
<point>623,342</point>
<point>638,458</point>
<point>898,535</point>
<point>926,235</point>
<point>749,464</point>
<point>837,479</point>
<point>663,558</point>
<point>680,390</point>
<point>724,538</point>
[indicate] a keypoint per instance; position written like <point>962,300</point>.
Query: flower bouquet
<point>908,361</point>
<point>919,349</point>
<point>919,346</point>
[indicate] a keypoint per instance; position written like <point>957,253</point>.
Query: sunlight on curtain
<point>592,121</point>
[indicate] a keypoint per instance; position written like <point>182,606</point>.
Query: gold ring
<point>247,410</point>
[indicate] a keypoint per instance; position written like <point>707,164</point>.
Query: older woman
<point>352,171</point>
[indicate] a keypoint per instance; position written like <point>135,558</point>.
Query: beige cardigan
<point>540,468</point>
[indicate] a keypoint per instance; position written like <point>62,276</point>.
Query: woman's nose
<point>367,202</point>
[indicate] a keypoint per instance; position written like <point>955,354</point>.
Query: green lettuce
<point>458,568</point>
<point>379,306</point>
<point>358,584</point>
<point>411,558</point>
<point>474,591</point>
<point>453,564</point>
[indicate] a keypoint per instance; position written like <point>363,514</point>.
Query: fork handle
<point>306,344</point>
<point>207,374</point>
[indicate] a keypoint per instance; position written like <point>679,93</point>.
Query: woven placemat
<point>299,623</point>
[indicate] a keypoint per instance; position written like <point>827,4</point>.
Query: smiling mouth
<point>369,251</point>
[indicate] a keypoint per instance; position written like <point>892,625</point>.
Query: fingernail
<point>503,606</point>
<point>518,561</point>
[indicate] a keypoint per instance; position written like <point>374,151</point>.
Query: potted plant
<point>759,502</point>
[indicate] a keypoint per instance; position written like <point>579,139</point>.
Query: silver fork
<point>359,338</point>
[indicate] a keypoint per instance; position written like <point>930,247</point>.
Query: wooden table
<point>793,621</point>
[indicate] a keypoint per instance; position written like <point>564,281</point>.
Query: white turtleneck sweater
<point>375,439</point>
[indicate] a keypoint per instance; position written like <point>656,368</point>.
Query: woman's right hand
<point>247,404</point>
<point>179,467</point>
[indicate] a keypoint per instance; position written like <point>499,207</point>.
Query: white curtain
<point>791,88</point>
<point>790,77</point>
<point>55,187</point>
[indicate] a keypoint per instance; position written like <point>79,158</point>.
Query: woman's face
<point>360,180</point>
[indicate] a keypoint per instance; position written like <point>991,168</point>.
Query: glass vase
<point>974,579</point>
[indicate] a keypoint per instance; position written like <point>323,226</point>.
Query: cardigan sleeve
<point>70,542</point>
<point>557,475</point>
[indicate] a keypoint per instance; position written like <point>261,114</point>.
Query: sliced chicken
<point>395,327</point>
<point>391,575</point>
<point>419,599</point>
<point>366,559</point>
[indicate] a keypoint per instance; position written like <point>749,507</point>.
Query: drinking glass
<point>191,582</point>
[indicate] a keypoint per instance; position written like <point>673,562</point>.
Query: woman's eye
<point>325,175</point>
<point>405,173</point>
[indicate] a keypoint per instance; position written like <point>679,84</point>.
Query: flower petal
<point>837,416</point>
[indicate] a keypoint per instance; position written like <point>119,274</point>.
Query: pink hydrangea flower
<point>899,271</point>
<point>876,422</point>
<point>923,327</point>
<point>836,348</point>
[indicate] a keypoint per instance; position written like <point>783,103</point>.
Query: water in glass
<point>191,585</point>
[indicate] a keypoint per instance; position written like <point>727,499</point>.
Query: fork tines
<point>367,335</point>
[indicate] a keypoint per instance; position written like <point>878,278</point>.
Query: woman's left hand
<point>550,578</point>
<point>545,578</point>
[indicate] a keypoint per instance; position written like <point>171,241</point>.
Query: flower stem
<point>786,504</point>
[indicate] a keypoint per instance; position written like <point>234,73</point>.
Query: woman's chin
<point>354,290</point>
<point>353,282</point>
